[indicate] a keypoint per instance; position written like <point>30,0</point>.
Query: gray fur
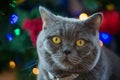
<point>90,61</point>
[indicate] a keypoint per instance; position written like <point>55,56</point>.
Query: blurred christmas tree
<point>17,46</point>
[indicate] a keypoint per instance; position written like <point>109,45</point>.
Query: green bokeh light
<point>17,32</point>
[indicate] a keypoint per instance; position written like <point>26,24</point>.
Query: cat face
<point>68,43</point>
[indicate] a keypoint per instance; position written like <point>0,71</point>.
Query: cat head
<point>68,43</point>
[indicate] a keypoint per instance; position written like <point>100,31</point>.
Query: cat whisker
<point>57,56</point>
<point>74,59</point>
<point>53,65</point>
<point>28,66</point>
<point>49,58</point>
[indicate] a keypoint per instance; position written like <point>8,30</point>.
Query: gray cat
<point>69,49</point>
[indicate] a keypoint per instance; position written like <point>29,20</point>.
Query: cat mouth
<point>70,61</point>
<point>67,62</point>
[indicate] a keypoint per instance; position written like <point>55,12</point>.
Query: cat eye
<point>56,40</point>
<point>80,42</point>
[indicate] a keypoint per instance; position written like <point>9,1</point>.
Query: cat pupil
<point>80,42</point>
<point>56,39</point>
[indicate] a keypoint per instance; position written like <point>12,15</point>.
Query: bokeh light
<point>105,38</point>
<point>110,7</point>
<point>13,19</point>
<point>12,5</point>
<point>9,37</point>
<point>35,71</point>
<point>20,1</point>
<point>17,32</point>
<point>83,16</point>
<point>101,43</point>
<point>12,64</point>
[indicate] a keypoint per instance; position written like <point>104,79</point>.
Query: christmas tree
<point>20,24</point>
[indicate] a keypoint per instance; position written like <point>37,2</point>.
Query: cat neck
<point>70,77</point>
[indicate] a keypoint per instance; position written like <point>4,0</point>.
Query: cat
<point>69,49</point>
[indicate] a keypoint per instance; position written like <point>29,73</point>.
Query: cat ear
<point>94,21</point>
<point>47,17</point>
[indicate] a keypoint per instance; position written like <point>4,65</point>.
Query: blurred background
<point>20,23</point>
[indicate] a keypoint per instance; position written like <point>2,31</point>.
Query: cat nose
<point>66,52</point>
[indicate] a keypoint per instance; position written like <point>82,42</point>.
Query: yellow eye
<point>56,40</point>
<point>80,42</point>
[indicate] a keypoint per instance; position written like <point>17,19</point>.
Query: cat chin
<point>65,67</point>
<point>66,62</point>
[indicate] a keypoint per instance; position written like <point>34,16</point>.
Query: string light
<point>20,1</point>
<point>35,71</point>
<point>9,37</point>
<point>13,18</point>
<point>101,43</point>
<point>17,32</point>
<point>105,38</point>
<point>110,7</point>
<point>12,64</point>
<point>14,1</point>
<point>83,16</point>
<point>12,5</point>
